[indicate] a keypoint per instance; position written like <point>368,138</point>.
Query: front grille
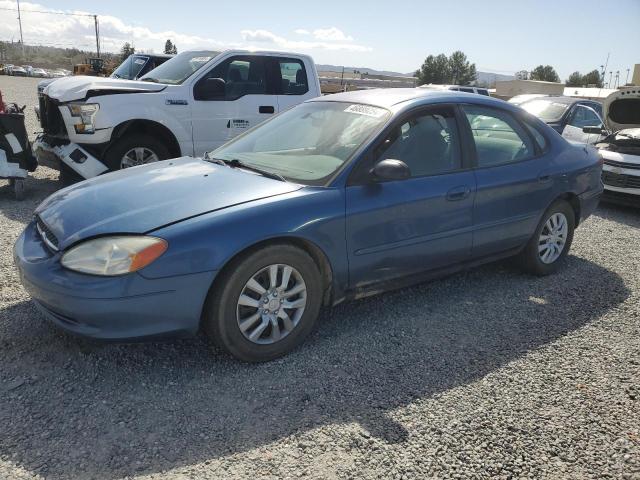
<point>620,180</point>
<point>46,234</point>
<point>632,166</point>
<point>50,117</point>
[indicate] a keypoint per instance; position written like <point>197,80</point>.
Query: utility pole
<point>610,75</point>
<point>627,79</point>
<point>95,21</point>
<point>20,24</point>
<point>617,84</point>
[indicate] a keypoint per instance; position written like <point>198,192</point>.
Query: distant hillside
<point>370,71</point>
<point>46,57</point>
<point>485,79</point>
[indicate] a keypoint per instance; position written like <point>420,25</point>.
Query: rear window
<point>293,77</point>
<point>546,110</point>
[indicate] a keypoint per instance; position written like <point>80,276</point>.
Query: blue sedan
<point>338,198</point>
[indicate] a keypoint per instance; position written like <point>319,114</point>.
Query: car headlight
<point>117,255</point>
<point>84,113</point>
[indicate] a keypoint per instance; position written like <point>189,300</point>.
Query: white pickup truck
<point>189,105</point>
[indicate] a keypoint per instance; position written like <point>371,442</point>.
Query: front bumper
<point>71,154</point>
<point>128,307</point>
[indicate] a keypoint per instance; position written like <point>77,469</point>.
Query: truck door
<point>241,102</point>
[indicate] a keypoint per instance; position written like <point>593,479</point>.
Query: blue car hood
<point>141,199</point>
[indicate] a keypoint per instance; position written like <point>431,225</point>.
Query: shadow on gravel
<point>73,409</point>
<point>619,213</point>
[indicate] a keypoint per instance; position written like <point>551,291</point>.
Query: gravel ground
<point>489,373</point>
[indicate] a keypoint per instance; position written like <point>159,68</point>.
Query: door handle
<point>266,109</point>
<point>458,193</point>
<point>544,177</point>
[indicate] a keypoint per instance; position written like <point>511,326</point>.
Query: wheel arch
<point>149,127</point>
<point>317,254</point>
<point>573,200</point>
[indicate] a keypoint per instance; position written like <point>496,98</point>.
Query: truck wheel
<point>134,150</point>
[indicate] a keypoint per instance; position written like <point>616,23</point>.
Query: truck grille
<point>620,180</point>
<point>46,234</point>
<point>50,117</point>
<point>632,166</point>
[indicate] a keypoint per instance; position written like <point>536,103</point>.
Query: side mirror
<point>390,169</point>
<point>597,130</point>
<point>209,89</point>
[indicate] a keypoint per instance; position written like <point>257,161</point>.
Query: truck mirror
<point>210,89</point>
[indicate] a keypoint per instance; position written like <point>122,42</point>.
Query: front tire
<point>550,243</point>
<point>133,150</point>
<point>265,303</point>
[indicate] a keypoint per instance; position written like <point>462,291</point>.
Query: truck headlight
<point>117,255</point>
<point>84,113</point>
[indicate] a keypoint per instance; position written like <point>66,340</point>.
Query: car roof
<point>393,97</point>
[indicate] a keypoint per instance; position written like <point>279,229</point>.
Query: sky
<point>499,36</point>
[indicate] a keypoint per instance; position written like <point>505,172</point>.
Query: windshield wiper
<point>235,163</point>
<point>149,79</point>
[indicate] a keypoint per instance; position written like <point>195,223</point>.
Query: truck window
<point>293,77</point>
<point>242,76</point>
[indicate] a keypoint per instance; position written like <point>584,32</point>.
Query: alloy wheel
<point>138,156</point>
<point>553,238</point>
<point>271,304</point>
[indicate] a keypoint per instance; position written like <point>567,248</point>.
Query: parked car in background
<point>458,88</point>
<point>568,116</point>
<point>18,71</point>
<point>138,65</point>
<point>8,69</point>
<point>39,72</point>
<point>190,104</point>
<point>340,197</point>
<point>621,146</point>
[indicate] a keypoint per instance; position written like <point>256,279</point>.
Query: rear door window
<point>293,77</point>
<point>499,138</point>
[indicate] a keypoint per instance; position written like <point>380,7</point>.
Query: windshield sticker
<point>366,110</point>
<point>200,59</point>
<point>139,61</point>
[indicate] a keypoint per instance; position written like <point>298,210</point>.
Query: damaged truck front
<point>191,104</point>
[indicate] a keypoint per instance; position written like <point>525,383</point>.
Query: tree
<point>462,72</point>
<point>592,78</point>
<point>575,80</point>
<point>169,47</point>
<point>439,69</point>
<point>545,73</point>
<point>126,51</point>
<point>434,70</point>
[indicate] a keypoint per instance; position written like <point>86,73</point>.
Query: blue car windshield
<point>308,143</point>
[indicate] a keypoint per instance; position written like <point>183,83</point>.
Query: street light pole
<point>95,21</point>
<point>20,24</point>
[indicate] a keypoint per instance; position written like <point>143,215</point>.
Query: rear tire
<point>114,158</point>
<point>550,244</point>
<point>234,314</point>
